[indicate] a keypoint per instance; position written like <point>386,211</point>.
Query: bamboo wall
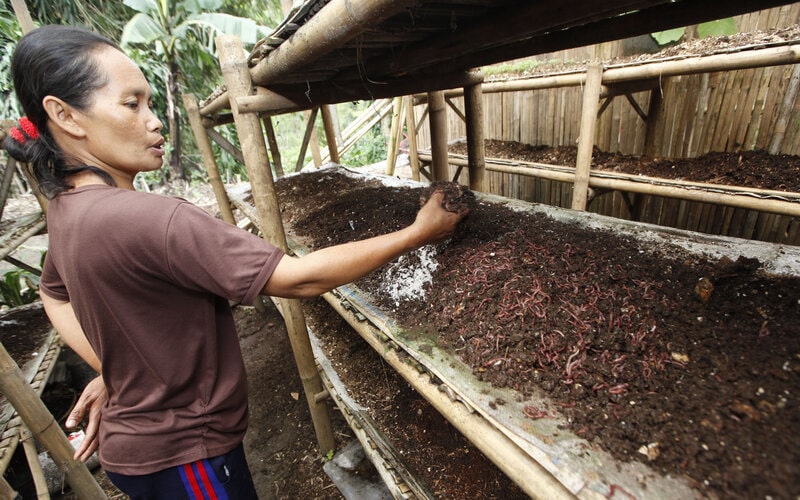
<point>722,111</point>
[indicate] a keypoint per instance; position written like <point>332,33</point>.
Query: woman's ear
<point>62,117</point>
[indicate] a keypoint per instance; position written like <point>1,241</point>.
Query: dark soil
<point>756,169</point>
<point>698,359</point>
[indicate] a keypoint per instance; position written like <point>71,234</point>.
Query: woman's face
<point>123,135</point>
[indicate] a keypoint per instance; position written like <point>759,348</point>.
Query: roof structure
<point>331,51</point>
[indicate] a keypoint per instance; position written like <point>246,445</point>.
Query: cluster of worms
<point>535,312</point>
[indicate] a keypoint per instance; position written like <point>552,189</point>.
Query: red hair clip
<point>27,126</point>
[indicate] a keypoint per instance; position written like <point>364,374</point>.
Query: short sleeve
<point>204,253</point>
<point>51,282</point>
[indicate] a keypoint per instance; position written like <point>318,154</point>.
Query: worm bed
<point>600,357</point>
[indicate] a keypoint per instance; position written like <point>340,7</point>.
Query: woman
<point>138,284</point>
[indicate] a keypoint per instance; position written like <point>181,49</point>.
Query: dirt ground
<point>689,365</point>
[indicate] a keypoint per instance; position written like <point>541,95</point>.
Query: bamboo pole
<point>23,16</point>
<point>411,127</point>
<point>273,145</point>
<point>473,107</point>
<point>32,456</point>
<point>751,199</point>
<point>44,428</point>
<point>786,111</point>
<point>225,144</point>
<point>5,184</point>
<point>583,163</point>
<point>316,155</point>
<point>6,491</point>
<point>330,132</point>
<point>395,129</point>
<point>334,25</point>
<point>311,117</point>
<point>438,124</point>
<point>203,143</point>
<point>237,79</point>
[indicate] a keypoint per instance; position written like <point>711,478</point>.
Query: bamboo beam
<point>44,428</point>
<point>237,79</point>
<point>650,74</point>
<point>277,99</point>
<point>334,25</point>
<point>204,144</point>
<point>473,108</point>
<point>733,196</point>
<point>330,132</point>
<point>583,163</point>
<point>438,124</point>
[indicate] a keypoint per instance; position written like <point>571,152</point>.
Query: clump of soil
<point>638,361</point>
<point>457,198</point>
<point>756,169</point>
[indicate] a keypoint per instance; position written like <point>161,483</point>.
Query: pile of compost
<point>686,363</point>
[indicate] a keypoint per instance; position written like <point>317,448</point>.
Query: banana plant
<point>179,35</point>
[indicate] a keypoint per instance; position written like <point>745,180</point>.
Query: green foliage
<point>18,288</point>
<point>668,36</point>
<point>9,32</point>
<point>718,27</point>
<point>371,148</point>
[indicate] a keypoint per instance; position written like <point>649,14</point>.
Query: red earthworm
<point>618,389</point>
<point>616,487</point>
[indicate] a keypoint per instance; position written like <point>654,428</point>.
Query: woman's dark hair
<point>56,61</point>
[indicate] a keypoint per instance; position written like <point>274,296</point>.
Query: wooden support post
<point>204,144</point>
<point>395,130</point>
<point>237,78</point>
<point>273,145</point>
<point>411,128</point>
<point>316,154</point>
<point>330,132</point>
<point>440,168</point>
<point>583,162</point>
<point>44,428</point>
<point>476,152</point>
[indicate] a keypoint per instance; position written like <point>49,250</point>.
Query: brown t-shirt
<point>150,278</point>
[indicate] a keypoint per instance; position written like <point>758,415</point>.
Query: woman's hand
<point>433,223</point>
<point>88,406</point>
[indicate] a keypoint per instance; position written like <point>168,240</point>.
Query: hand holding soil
<point>457,198</point>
